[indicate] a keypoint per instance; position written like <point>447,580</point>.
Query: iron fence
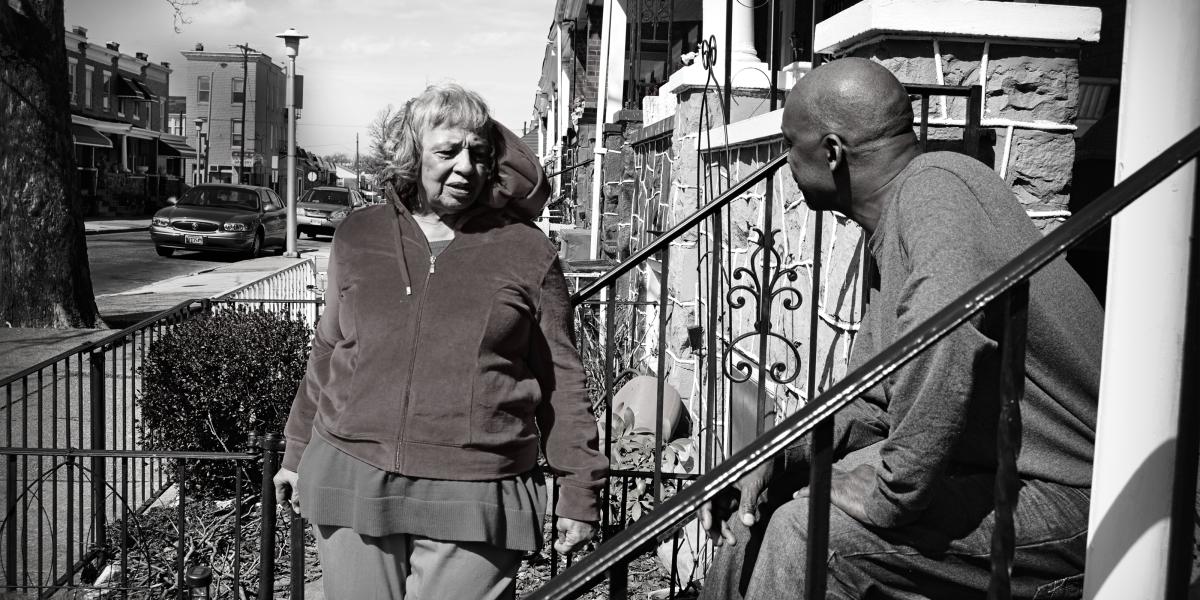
<point>746,305</point>
<point>74,462</point>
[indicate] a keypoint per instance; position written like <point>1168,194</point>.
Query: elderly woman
<point>443,360</point>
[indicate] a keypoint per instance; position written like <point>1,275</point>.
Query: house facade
<point>234,105</point>
<point>128,160</point>
<point>687,102</point>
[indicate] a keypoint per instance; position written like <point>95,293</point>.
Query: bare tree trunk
<point>44,275</point>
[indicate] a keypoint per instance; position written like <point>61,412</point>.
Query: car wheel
<point>256,249</point>
<point>164,251</point>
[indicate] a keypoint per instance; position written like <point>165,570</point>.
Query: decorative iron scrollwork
<point>763,291</point>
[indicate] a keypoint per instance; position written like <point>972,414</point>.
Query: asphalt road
<point>121,262</point>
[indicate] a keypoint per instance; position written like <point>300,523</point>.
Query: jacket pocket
<point>343,412</point>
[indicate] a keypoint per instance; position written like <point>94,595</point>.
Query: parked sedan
<point>321,209</point>
<point>221,217</point>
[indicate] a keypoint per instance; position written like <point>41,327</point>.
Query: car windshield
<point>220,198</point>
<point>338,197</point>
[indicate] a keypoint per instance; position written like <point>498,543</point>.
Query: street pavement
<point>21,348</point>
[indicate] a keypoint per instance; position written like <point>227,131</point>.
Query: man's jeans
<point>945,554</point>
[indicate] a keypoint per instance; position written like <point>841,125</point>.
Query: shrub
<point>212,380</point>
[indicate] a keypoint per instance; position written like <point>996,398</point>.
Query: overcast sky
<point>360,56</point>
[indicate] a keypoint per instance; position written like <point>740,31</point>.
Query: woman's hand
<point>572,534</point>
<point>287,488</point>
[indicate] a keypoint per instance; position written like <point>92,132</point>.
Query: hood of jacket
<point>520,184</point>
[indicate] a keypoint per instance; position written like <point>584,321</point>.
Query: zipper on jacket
<point>432,263</point>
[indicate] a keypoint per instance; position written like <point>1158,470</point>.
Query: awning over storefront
<point>127,88</point>
<point>145,90</point>
<point>175,148</point>
<point>86,136</point>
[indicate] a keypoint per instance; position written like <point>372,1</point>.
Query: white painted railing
<point>292,290</point>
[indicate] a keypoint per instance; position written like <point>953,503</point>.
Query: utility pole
<point>246,50</point>
<point>356,180</point>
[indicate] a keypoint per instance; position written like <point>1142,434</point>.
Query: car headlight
<point>341,214</point>
<point>160,222</point>
<point>236,227</point>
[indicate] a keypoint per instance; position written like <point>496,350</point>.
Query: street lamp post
<point>291,41</point>
<point>198,122</point>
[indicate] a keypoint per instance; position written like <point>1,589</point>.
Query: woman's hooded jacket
<point>455,367</point>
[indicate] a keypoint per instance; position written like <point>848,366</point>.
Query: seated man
<point>912,513</point>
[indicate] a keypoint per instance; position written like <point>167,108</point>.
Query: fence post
<point>10,520</point>
<point>98,475</point>
<point>270,444</point>
<point>297,547</point>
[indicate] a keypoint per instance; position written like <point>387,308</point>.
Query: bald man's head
<point>855,98</point>
<point>848,128</point>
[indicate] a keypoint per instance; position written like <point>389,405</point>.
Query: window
<point>235,136</point>
<point>89,72</point>
<point>121,106</point>
<point>73,65</point>
<point>202,88</point>
<point>175,124</point>
<point>107,89</point>
<point>239,90</point>
<point>273,202</point>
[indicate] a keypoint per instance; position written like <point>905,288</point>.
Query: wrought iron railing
<point>74,463</point>
<point>1005,290</point>
<point>710,303</point>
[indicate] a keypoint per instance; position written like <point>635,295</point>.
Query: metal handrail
<point>683,505</point>
<point>679,229</point>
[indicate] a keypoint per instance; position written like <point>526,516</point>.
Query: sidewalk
<point>21,347</point>
<point>98,225</point>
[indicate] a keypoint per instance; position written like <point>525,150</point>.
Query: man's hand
<point>286,488</point>
<point>572,534</point>
<point>848,489</point>
<point>746,497</point>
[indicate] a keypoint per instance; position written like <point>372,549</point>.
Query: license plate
<point>197,240</point>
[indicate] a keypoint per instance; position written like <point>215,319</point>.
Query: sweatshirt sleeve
<point>568,427</point>
<point>304,406</point>
<point>861,423</point>
<point>948,244</point>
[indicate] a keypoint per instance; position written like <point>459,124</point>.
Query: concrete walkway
<point>97,226</point>
<point>21,348</point>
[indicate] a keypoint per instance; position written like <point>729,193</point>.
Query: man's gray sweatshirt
<point>950,223</point>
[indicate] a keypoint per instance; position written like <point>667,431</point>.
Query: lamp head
<point>291,41</point>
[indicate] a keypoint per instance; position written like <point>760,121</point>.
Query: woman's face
<point>455,168</point>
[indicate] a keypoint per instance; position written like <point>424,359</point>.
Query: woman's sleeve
<point>568,427</point>
<point>299,424</point>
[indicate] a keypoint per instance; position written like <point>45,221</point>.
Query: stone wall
<point>1031,98</point>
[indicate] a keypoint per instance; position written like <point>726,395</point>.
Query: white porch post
<point>742,44</point>
<point>1147,278</point>
<point>608,101</point>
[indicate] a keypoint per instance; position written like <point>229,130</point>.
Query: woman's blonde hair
<point>447,104</point>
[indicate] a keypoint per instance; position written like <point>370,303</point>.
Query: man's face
<point>808,160</point>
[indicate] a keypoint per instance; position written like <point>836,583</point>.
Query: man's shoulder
<point>951,165</point>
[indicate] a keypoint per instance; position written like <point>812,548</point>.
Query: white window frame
<point>89,73</point>
<point>207,92</point>
<point>107,76</point>
<point>73,66</point>
<point>233,90</point>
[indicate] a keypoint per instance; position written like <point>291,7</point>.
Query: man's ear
<point>835,150</point>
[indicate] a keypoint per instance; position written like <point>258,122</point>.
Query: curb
<point>114,230</point>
